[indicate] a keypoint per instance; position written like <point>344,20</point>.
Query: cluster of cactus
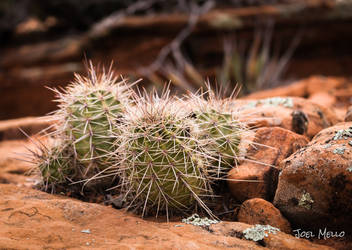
<point>165,153</point>
<point>90,109</point>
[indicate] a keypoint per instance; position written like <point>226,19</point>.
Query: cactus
<point>163,166</point>
<point>89,110</point>
<point>224,138</point>
<point>222,130</point>
<point>56,166</point>
<point>55,162</point>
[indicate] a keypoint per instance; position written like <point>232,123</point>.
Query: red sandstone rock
<point>302,88</point>
<point>250,182</point>
<point>315,185</point>
<point>32,219</point>
<point>323,98</point>
<point>12,169</point>
<point>10,129</point>
<point>259,211</point>
<point>270,147</point>
<point>279,240</point>
<point>293,113</point>
<point>348,116</point>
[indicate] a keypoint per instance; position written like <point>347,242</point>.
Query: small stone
<point>259,211</point>
<point>86,231</point>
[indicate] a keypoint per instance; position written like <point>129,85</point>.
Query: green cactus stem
<point>89,111</point>
<point>163,166</point>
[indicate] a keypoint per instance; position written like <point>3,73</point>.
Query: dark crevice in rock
<point>299,122</point>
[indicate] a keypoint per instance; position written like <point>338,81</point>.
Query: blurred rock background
<point>258,44</point>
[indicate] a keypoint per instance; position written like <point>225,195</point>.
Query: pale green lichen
<point>251,104</point>
<point>306,201</point>
<point>339,151</point>
<point>326,146</point>
<point>195,220</point>
<point>272,102</point>
<point>343,134</point>
<point>258,232</point>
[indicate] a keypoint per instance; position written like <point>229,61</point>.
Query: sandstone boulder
<point>257,176</point>
<point>315,186</point>
<point>293,113</point>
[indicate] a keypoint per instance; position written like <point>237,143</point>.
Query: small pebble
<point>87,231</point>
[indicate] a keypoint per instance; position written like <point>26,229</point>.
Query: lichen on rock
<point>258,232</point>
<point>326,146</point>
<point>343,134</point>
<point>196,220</point>
<point>339,151</point>
<point>306,201</point>
<point>273,101</point>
